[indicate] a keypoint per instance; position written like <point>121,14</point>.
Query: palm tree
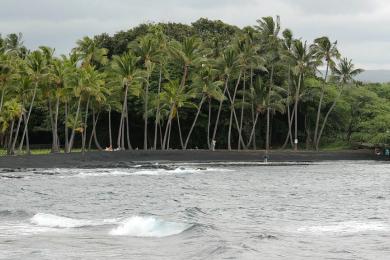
<point>228,64</point>
<point>209,88</point>
<point>36,67</point>
<point>269,30</point>
<point>187,54</point>
<point>90,52</point>
<point>286,49</point>
<point>302,58</point>
<point>343,74</point>
<point>6,75</point>
<point>147,49</point>
<point>12,111</point>
<point>125,72</point>
<point>325,50</point>
<point>174,97</point>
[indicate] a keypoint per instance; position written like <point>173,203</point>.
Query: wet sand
<point>126,158</point>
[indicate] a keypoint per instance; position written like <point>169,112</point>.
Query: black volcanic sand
<point>130,158</point>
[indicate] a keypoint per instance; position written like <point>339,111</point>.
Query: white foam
<point>153,172</point>
<point>49,220</point>
<point>147,227</point>
<point>346,227</point>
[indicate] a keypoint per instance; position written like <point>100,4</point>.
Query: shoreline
<point>117,159</point>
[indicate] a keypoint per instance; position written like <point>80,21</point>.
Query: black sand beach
<point>126,158</point>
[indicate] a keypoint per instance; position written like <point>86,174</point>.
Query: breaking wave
<point>148,227</point>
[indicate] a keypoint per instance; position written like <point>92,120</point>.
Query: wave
<point>153,172</point>
<point>50,220</point>
<point>138,226</point>
<point>346,227</point>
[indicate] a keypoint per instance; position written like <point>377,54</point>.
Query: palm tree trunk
<point>66,127</point>
<point>56,147</point>
<point>167,127</point>
<point>93,128</point>
<point>208,124</point>
<point>2,98</point>
<point>122,117</point>
<point>128,130</point>
<point>235,117</point>
<point>9,150</point>
<point>146,114</point>
<point>319,107</point>
<point>28,152</point>
<point>97,144</point>
<point>109,126</point>
<point>242,113</point>
<point>16,135</point>
<point>232,109</point>
<point>169,135</point>
<point>268,109</point>
<point>194,122</point>
<point>253,113</point>
<point>84,134</point>
<point>253,129</point>
<point>178,125</point>
<point>326,118</point>
<point>219,110</point>
<point>93,134</point>
<point>51,124</point>
<point>161,136</point>
<point>28,116</point>
<point>296,113</point>
<point>71,140</point>
<point>157,121</point>
<point>289,134</point>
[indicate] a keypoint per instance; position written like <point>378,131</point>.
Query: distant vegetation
<point>170,85</point>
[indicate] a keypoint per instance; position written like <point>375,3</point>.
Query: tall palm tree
<point>286,49</point>
<point>147,48</point>
<point>343,74</point>
<point>302,58</point>
<point>228,64</point>
<point>125,72</point>
<point>327,51</point>
<point>269,30</point>
<point>36,66</point>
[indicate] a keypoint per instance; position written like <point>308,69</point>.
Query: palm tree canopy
<point>345,71</point>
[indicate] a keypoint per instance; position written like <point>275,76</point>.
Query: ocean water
<point>328,210</point>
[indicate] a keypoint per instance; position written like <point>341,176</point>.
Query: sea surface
<point>327,210</point>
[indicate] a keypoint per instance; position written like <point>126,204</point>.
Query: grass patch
<point>336,146</point>
<point>3,152</point>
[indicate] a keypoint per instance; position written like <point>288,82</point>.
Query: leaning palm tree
<point>327,51</point>
<point>125,72</point>
<point>174,97</point>
<point>228,64</point>
<point>343,74</point>
<point>209,88</point>
<point>36,67</point>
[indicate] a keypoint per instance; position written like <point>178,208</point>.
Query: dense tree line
<point>170,85</point>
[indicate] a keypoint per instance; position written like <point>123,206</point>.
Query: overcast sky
<point>362,27</point>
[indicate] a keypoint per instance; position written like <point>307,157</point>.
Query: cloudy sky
<point>360,26</point>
